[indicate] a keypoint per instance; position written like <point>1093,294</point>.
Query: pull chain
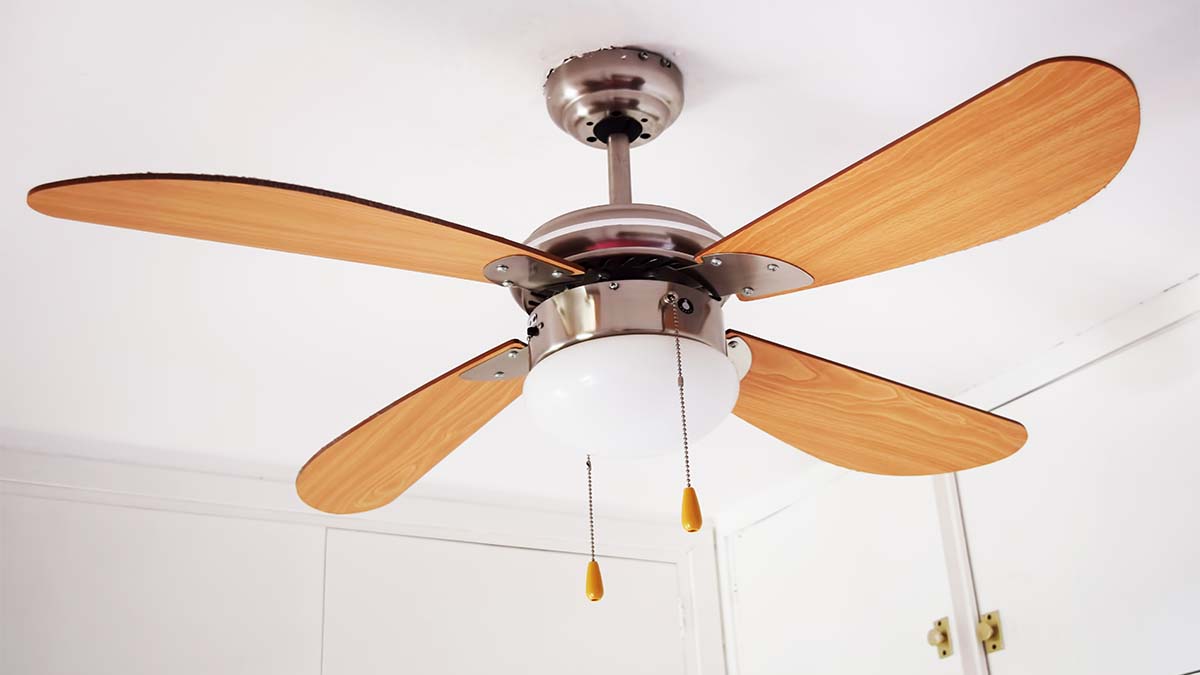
<point>591,511</point>
<point>687,465</point>
<point>690,516</point>
<point>594,584</point>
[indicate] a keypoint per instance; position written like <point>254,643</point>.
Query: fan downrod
<point>616,99</point>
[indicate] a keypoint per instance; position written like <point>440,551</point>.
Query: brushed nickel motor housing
<point>616,229</point>
<point>632,307</point>
<point>642,85</point>
<point>614,242</point>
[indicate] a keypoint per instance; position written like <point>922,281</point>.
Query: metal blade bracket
<point>738,351</point>
<point>525,272</point>
<point>751,276</point>
<point>511,364</point>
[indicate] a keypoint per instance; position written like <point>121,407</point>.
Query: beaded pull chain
<point>594,585</point>
<point>690,516</point>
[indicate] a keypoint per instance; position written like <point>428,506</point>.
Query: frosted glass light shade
<point>618,395</point>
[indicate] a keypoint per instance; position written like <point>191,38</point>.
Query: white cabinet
<point>846,580</point>
<point>397,604</point>
<point>96,589</point>
<point>134,570</point>
<point>1088,540</point>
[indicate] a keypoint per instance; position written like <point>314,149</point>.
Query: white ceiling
<point>124,344</point>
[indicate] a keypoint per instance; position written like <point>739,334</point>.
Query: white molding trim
<point>101,481</point>
<point>728,596</point>
<point>1170,306</point>
<point>964,603</point>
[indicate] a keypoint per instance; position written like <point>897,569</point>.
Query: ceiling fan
<point>611,289</point>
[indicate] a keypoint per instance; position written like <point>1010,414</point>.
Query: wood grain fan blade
<point>863,422</point>
<point>1021,153</point>
<point>281,217</point>
<point>370,465</point>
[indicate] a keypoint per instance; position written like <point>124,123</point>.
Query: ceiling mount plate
<point>620,82</point>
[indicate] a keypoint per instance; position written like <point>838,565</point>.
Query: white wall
<point>453,607</point>
<point>112,568</point>
<point>94,588</point>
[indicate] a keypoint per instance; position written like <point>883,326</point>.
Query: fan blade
<point>863,422</point>
<point>1017,155</point>
<point>370,465</point>
<point>281,217</point>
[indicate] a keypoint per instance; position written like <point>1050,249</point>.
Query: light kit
<point>627,352</point>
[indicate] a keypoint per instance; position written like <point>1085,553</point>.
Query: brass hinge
<point>989,632</point>
<point>939,637</point>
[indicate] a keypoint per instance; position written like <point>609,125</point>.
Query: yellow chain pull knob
<point>595,584</point>
<point>690,515</point>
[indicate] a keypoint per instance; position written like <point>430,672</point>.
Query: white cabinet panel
<point>405,605</point>
<point>1087,540</point>
<point>846,581</point>
<point>97,589</point>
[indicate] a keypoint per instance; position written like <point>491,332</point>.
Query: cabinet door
<point>846,580</point>
<point>97,589</point>
<point>1087,540</point>
<point>398,604</point>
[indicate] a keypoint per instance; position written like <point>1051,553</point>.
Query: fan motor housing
<point>616,242</point>
<point>636,306</point>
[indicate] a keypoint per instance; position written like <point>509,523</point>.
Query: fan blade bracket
<point>523,271</point>
<point>510,364</point>
<point>739,353</point>
<point>751,276</point>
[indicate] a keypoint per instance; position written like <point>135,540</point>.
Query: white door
<point>1088,539</point>
<point>845,581</point>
